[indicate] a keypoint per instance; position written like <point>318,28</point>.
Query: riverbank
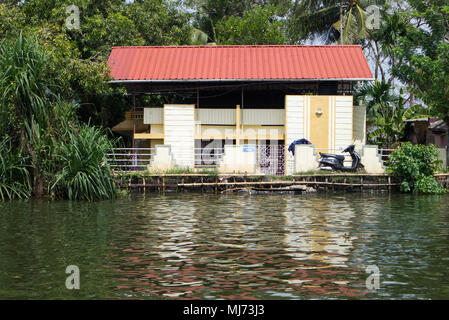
<point>220,183</point>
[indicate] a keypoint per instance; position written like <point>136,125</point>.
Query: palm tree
<point>343,20</point>
<point>387,113</point>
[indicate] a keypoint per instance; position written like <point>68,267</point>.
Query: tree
<point>45,144</point>
<point>423,56</point>
<point>387,113</point>
<point>258,25</point>
<point>342,20</point>
<point>209,13</point>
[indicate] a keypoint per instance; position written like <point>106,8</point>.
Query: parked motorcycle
<point>335,162</point>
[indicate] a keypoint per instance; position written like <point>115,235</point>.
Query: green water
<point>197,246</point>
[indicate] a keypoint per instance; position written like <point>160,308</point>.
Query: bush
<point>416,165</point>
<point>85,173</point>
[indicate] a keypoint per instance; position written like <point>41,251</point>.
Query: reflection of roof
<point>439,126</point>
<point>128,125</point>
<point>238,63</point>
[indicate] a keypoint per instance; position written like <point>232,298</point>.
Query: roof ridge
<point>242,46</point>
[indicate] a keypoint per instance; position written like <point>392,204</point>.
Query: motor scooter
<point>335,162</point>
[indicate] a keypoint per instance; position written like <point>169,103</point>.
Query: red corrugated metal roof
<point>239,63</point>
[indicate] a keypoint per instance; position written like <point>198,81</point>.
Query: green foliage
<point>416,165</point>
<point>84,172</point>
<point>326,19</point>
<point>159,22</point>
<point>24,80</point>
<point>422,55</point>
<point>387,113</point>
<point>14,176</point>
<point>256,26</point>
<point>214,16</point>
<point>44,130</point>
<point>211,172</point>
<point>11,20</point>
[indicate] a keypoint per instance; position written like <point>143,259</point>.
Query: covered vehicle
<point>294,143</point>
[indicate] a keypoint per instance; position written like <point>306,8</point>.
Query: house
<point>429,130</point>
<point>264,96</point>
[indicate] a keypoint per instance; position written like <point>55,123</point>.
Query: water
<point>197,246</point>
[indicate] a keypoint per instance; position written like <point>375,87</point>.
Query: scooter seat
<point>336,156</point>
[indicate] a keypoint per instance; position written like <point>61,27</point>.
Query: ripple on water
<point>194,246</point>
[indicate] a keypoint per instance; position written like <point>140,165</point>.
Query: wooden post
<point>216,185</point>
<point>389,183</point>
<point>237,125</point>
<point>134,121</point>
<point>361,183</point>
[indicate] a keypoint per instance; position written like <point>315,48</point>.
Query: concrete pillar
<point>162,159</point>
<point>239,159</point>
<point>371,159</point>
<point>237,125</point>
<point>305,158</point>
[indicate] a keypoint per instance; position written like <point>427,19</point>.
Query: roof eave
<point>238,80</point>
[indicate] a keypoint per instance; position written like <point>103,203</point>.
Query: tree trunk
<point>38,181</point>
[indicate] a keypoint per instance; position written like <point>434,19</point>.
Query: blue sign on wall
<point>248,148</point>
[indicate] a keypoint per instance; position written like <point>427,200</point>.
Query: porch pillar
<point>237,125</point>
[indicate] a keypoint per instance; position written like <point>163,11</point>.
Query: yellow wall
<point>319,123</point>
<point>154,142</point>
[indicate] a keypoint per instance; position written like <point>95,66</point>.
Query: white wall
<point>294,125</point>
<point>343,121</point>
<point>179,133</point>
<point>153,115</point>
<point>359,125</point>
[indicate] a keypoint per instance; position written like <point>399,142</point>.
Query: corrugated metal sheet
<point>238,63</point>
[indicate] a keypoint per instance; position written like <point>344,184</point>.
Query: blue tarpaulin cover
<point>300,141</point>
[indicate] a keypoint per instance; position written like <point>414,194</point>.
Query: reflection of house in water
<point>319,231</point>
<point>249,249</point>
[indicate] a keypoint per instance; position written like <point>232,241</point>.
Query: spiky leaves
<point>84,172</point>
<point>14,176</point>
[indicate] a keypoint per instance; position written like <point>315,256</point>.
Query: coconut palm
<point>342,20</point>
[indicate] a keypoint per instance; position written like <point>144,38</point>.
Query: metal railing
<point>271,159</point>
<point>130,159</point>
<point>208,157</point>
<point>384,155</point>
